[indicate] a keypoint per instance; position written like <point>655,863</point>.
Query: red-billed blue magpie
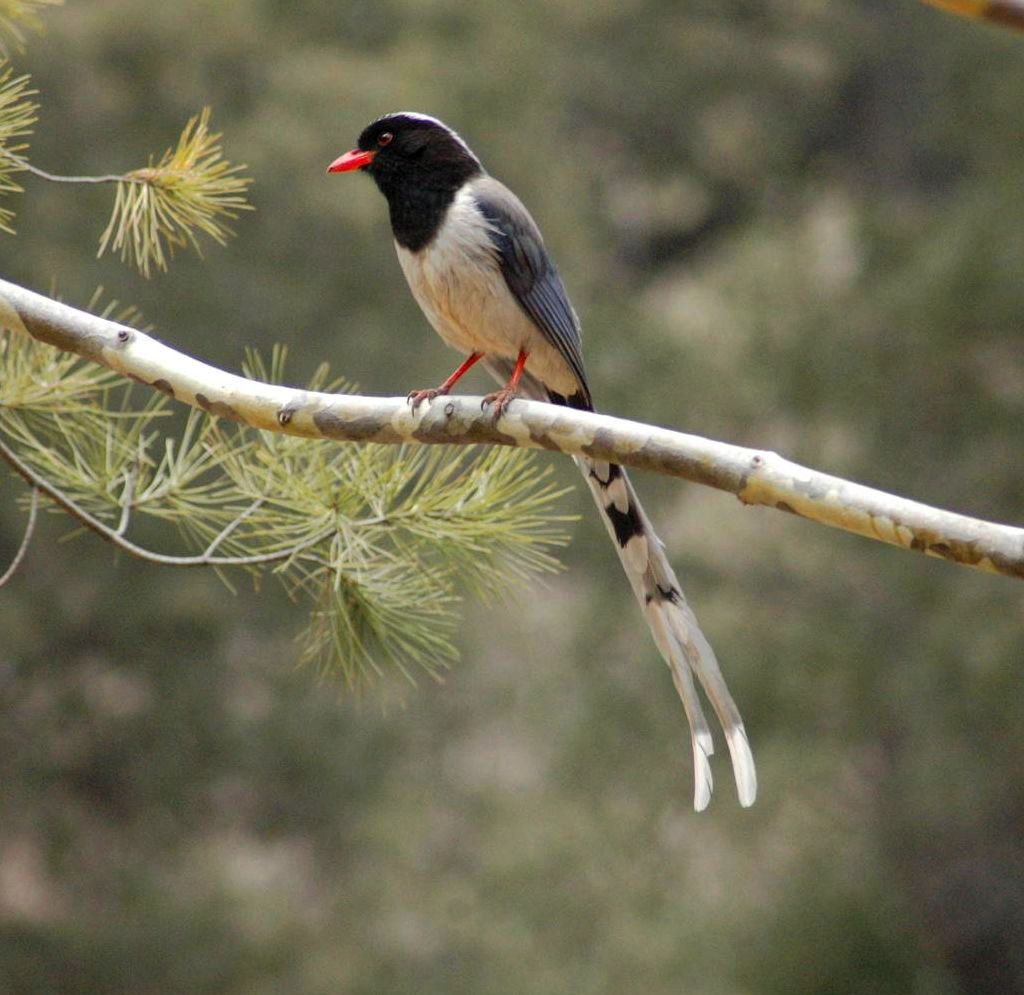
<point>476,264</point>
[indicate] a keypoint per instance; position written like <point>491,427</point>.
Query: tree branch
<point>1009,13</point>
<point>754,476</point>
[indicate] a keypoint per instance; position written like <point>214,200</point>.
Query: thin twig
<point>23,163</point>
<point>25,539</point>
<point>103,530</point>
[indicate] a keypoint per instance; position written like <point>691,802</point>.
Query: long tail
<point>674,627</point>
<point>671,620</point>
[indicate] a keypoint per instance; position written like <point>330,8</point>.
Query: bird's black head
<point>410,149</point>
<point>419,165</point>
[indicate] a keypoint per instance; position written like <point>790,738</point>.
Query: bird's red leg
<point>417,397</point>
<point>501,399</point>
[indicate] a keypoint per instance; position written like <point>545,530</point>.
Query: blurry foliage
<point>18,17</point>
<point>785,223</point>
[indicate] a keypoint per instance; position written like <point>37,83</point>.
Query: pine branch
<point>754,476</point>
<point>115,536</point>
<point>1008,13</point>
<point>379,540</point>
<point>159,208</point>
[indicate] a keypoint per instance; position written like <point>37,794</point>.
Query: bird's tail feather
<point>671,620</point>
<point>674,627</point>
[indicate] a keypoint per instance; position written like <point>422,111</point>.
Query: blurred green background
<point>786,223</point>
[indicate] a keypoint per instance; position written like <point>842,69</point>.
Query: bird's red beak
<point>356,159</point>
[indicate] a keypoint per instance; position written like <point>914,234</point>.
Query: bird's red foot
<point>499,401</point>
<point>417,397</point>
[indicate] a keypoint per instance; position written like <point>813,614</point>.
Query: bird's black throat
<point>419,199</point>
<point>417,214</point>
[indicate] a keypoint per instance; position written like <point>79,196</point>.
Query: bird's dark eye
<point>385,138</point>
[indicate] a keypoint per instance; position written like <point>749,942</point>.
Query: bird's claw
<point>417,397</point>
<point>499,401</point>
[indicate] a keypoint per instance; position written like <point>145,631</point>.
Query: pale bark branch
<point>754,476</point>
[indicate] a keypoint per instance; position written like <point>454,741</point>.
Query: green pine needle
<point>365,622</point>
<point>17,115</point>
<point>165,205</point>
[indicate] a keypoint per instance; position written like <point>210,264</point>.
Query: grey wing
<point>531,275</point>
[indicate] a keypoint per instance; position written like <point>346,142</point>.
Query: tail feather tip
<point>703,783</point>
<point>742,765</point>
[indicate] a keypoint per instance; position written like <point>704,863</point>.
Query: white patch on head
<point>416,116</point>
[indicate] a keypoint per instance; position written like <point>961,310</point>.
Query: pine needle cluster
<point>17,115</point>
<point>163,206</point>
<point>380,542</point>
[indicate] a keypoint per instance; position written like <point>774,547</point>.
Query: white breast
<point>458,284</point>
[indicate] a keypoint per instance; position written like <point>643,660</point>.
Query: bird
<point>477,265</point>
